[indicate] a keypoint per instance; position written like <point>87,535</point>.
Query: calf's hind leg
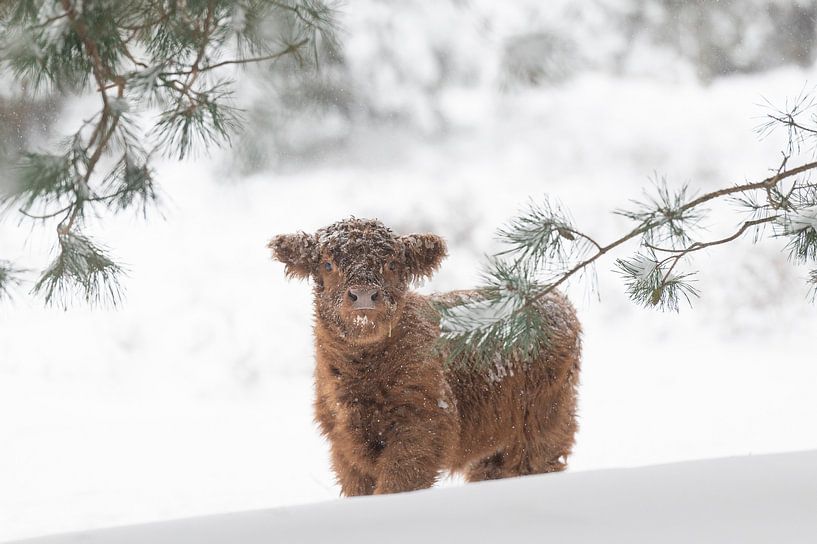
<point>517,460</point>
<point>487,468</point>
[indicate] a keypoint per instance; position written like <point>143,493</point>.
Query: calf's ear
<point>423,254</point>
<point>297,251</point>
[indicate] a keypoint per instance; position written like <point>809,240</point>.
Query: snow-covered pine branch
<point>544,250</point>
<point>499,318</point>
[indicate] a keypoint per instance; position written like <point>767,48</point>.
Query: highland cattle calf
<point>394,413</point>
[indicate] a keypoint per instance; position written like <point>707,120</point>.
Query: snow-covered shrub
<point>723,37</point>
<point>537,58</point>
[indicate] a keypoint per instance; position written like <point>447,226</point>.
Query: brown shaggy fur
<point>394,414</point>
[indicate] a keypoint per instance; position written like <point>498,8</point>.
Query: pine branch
<point>657,284</point>
<point>134,56</point>
<point>500,319</point>
<point>646,226</point>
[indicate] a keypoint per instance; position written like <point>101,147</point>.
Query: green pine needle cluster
<point>543,233</point>
<point>80,267</point>
<point>9,277</point>
<point>665,214</point>
<point>651,282</point>
<point>164,74</point>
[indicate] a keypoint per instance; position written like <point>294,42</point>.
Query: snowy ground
<point>749,500</point>
<point>194,397</point>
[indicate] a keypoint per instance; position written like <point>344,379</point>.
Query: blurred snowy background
<point>195,396</point>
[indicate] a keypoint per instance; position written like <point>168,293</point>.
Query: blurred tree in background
<point>724,37</point>
<point>171,58</point>
<point>405,66</point>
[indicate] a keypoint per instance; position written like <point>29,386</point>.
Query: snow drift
<point>770,498</point>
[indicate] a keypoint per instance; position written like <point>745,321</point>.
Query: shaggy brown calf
<point>394,414</point>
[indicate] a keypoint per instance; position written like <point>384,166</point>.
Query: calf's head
<point>361,271</point>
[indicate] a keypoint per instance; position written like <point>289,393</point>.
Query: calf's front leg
<point>353,481</point>
<point>412,457</point>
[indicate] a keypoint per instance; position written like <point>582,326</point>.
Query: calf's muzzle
<point>363,298</point>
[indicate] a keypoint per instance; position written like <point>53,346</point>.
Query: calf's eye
<point>327,266</point>
<point>392,266</point>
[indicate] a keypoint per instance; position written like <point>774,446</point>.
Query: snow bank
<point>771,498</point>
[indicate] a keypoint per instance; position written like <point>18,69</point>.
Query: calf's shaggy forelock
<point>359,247</point>
<point>394,413</point>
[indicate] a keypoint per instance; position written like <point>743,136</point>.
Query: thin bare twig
<point>45,216</point>
<point>288,50</point>
<point>697,246</point>
<point>582,235</point>
<point>788,120</point>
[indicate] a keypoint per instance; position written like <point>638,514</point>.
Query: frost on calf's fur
<point>363,321</point>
